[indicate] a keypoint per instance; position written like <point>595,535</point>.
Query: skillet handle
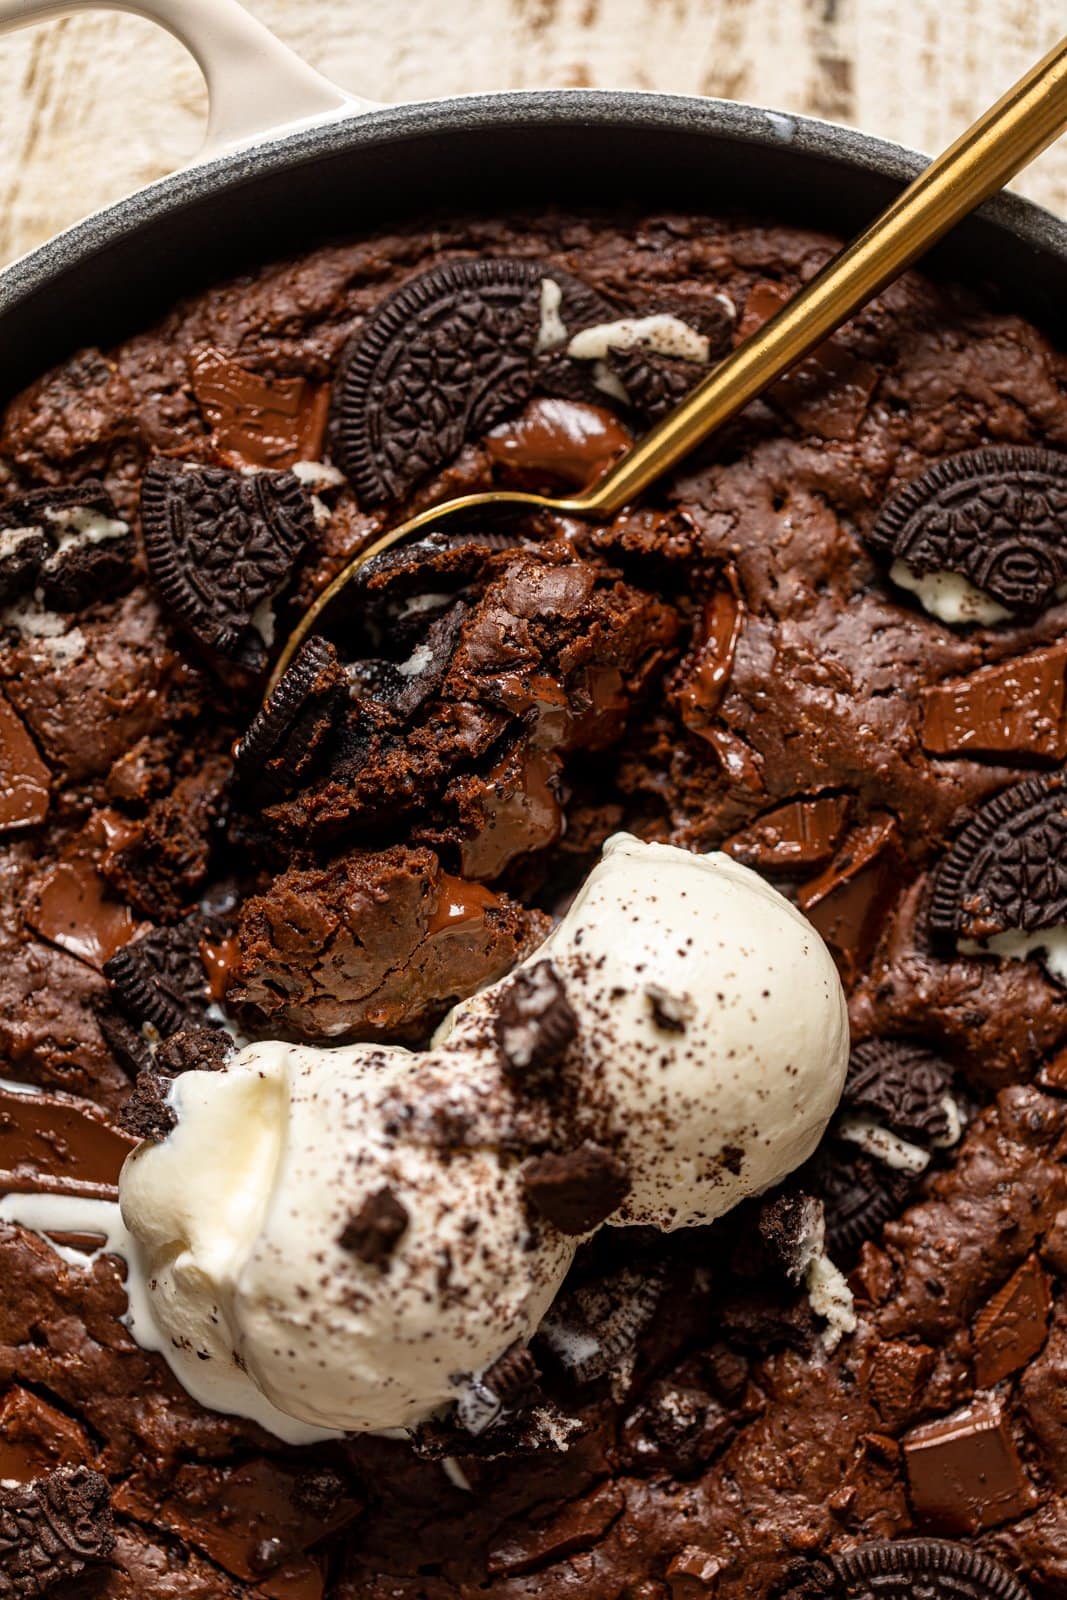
<point>257,87</point>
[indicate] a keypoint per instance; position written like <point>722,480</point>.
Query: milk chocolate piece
<point>564,440</point>
<point>71,906</point>
<point>513,811</point>
<point>35,1438</point>
<point>964,1472</point>
<point>796,837</point>
<point>1016,708</point>
<point>1053,1073</point>
<point>693,1573</point>
<point>1012,1327</point>
<point>900,1373</point>
<point>25,781</point>
<point>848,901</point>
<point>996,516</point>
<point>700,683</point>
<point>54,1144</point>
<point>262,421</point>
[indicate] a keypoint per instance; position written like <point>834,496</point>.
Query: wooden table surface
<point>93,106</point>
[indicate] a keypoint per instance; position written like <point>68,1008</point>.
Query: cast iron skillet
<point>317,163</point>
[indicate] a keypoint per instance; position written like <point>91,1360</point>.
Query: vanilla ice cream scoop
<point>347,1232</point>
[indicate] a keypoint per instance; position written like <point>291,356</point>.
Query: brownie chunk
<point>376,946</point>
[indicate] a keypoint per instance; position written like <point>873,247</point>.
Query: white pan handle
<point>257,86</point>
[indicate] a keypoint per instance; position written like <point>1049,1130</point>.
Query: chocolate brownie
<point>834,645</point>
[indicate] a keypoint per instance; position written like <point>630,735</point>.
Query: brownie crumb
<point>577,1191</point>
<point>373,1232</point>
<point>194,1050</point>
<point>52,1529</point>
<point>147,1114</point>
<point>535,1022</point>
<point>319,1493</point>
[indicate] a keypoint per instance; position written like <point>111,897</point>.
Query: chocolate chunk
<point>52,1530</point>
<point>512,1375</point>
<point>799,836</point>
<point>147,1114</point>
<point>194,1050</point>
<point>996,516</point>
<point>373,1232</point>
<point>848,901</point>
<point>964,1472</point>
<point>901,1085</point>
<point>25,781</point>
<point>287,735</point>
<point>1016,708</point>
<point>793,1228</point>
<point>697,687</point>
<point>220,547</point>
<point>563,441</point>
<point>1008,868</point>
<point>936,1569</point>
<point>72,906</point>
<point>1012,1327</point>
<point>577,1191</point>
<point>265,422</point>
<point>439,362</point>
<point>535,1022</point>
<point>859,1195</point>
<point>693,1573</point>
<point>159,979</point>
<point>70,542</point>
<point>55,1144</point>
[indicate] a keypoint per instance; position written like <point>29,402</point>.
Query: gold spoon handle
<point>1010,134</point>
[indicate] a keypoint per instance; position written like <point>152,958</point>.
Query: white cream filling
<point>12,538</point>
<point>419,659</point>
<point>318,474</point>
<point>81,525</point>
<point>662,333</point>
<point>882,1143</point>
<point>1016,945</point>
<point>263,620</point>
<point>954,1113</point>
<point>552,330</point>
<point>830,1297</point>
<point>948,596</point>
<point>609,382</point>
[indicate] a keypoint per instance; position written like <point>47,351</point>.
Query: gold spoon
<point>1009,135</point>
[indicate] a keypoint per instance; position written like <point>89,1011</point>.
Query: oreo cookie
<point>52,1530</point>
<point>1008,868</point>
<point>443,359</point>
<point>656,383</point>
<point>220,546</point>
<point>159,980</point>
<point>996,517</point>
<point>535,1023</point>
<point>576,1191</point>
<point>859,1194</point>
<point>287,735</point>
<point>901,1085</point>
<point>68,543</point>
<point>935,1569</point>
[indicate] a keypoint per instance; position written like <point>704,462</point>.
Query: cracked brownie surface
<point>834,645</point>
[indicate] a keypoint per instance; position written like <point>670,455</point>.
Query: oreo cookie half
<point>288,732</point>
<point>160,980</point>
<point>996,517</point>
<point>859,1194</point>
<point>443,359</point>
<point>220,546</point>
<point>1007,871</point>
<point>933,1569</point>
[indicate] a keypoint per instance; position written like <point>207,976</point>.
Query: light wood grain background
<point>93,106</point>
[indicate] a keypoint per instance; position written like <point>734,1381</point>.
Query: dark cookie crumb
<point>535,1022</point>
<point>146,1114</point>
<point>577,1191</point>
<point>373,1232</point>
<point>194,1050</point>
